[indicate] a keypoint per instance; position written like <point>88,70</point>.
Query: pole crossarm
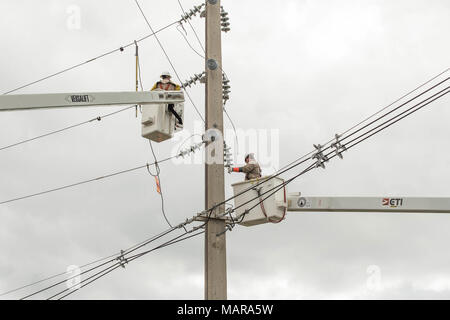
<point>87,99</point>
<point>299,203</point>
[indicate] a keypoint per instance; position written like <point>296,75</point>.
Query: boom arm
<point>69,100</point>
<point>296,202</point>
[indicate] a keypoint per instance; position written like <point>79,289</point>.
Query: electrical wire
<point>93,59</point>
<point>84,182</point>
<point>371,116</point>
<point>187,41</point>
<point>393,110</point>
<point>168,59</point>
<point>124,253</point>
<point>99,118</point>
<point>419,105</point>
<point>54,276</point>
<point>372,132</point>
<point>169,243</point>
<point>192,27</point>
<point>408,112</point>
<point>109,269</point>
<point>158,170</point>
<point>157,175</point>
<point>234,128</point>
<point>411,111</point>
<point>203,57</point>
<point>305,157</point>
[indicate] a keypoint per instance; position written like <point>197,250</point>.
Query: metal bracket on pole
<point>321,158</point>
<point>338,146</point>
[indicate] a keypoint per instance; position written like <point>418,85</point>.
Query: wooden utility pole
<point>215,246</point>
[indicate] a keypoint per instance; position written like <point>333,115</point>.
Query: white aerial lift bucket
<point>273,209</point>
<point>158,123</point>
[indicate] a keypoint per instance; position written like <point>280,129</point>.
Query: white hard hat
<point>250,156</point>
<point>166,73</point>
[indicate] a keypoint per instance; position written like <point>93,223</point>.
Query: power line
<point>202,56</point>
<point>84,182</point>
<point>128,251</point>
<point>108,270</point>
<point>92,59</point>
<point>393,110</point>
<point>54,276</point>
<point>401,116</point>
<point>192,149</point>
<point>312,166</point>
<point>419,105</point>
<point>99,118</point>
<point>124,254</point>
<point>168,59</point>
<point>192,27</point>
<point>66,272</point>
<point>305,158</point>
<point>373,131</point>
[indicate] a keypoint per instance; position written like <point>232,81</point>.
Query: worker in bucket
<point>252,169</point>
<point>166,84</point>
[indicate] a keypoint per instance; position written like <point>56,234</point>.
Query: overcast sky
<point>303,70</point>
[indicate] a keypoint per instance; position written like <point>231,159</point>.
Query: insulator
<point>193,80</point>
<point>191,13</point>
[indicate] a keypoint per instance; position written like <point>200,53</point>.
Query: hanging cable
<point>158,183</point>
<point>187,41</point>
<point>158,170</point>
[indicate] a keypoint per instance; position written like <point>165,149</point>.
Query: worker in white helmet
<point>252,169</point>
<point>166,84</point>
